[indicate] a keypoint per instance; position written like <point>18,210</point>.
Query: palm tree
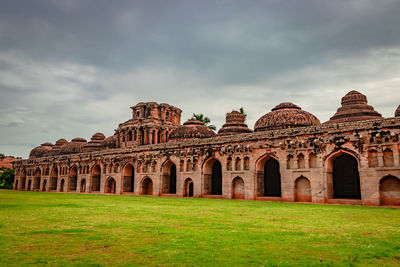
<point>205,120</point>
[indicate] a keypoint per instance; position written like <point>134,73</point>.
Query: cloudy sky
<point>71,68</point>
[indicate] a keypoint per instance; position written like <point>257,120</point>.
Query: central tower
<point>151,123</point>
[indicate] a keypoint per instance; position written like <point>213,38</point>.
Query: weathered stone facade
<point>352,159</point>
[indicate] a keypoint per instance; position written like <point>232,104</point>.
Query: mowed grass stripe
<point>78,229</point>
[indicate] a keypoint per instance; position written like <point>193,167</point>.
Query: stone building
<point>354,158</point>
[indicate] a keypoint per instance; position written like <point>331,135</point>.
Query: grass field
<point>79,229</point>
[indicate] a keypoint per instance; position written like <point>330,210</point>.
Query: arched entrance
<point>169,178</point>
<point>62,184</point>
<point>302,190</point>
<point>212,177</point>
<point>73,179</point>
<point>53,179</point>
<point>238,188</point>
<point>128,184</point>
<point>146,187</point>
<point>345,177</point>
<point>29,185</point>
<point>110,186</point>
<point>23,180</point>
<point>272,178</point>
<point>188,188</point>
<point>389,190</point>
<point>44,185</point>
<point>95,176</point>
<point>83,186</point>
<point>38,175</point>
<point>16,185</point>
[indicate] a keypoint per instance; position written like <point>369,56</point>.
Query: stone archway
<point>111,186</point>
<point>345,177</point>
<point>188,190</point>
<point>389,190</point>
<point>95,178</point>
<point>44,189</point>
<point>73,179</point>
<point>53,179</point>
<point>212,177</point>
<point>128,179</point>
<point>302,190</point>
<point>62,184</point>
<point>268,177</point>
<point>29,185</point>
<point>146,187</point>
<point>168,178</point>
<point>16,185</point>
<point>38,175</point>
<point>83,186</point>
<point>238,191</point>
<point>23,180</point>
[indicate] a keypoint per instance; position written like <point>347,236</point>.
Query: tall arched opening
<point>110,186</point>
<point>44,186</point>
<point>62,185</point>
<point>302,190</point>
<point>268,177</point>
<point>83,186</point>
<point>212,177</point>
<point>95,176</point>
<point>38,175</point>
<point>23,180</point>
<point>169,178</point>
<point>146,187</point>
<point>389,190</point>
<point>72,179</point>
<point>345,177</point>
<point>53,179</point>
<point>238,188</point>
<point>29,185</point>
<point>188,190</point>
<point>128,184</point>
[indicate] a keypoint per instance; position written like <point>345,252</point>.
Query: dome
<point>41,150</point>
<point>109,142</point>
<point>95,143</point>
<point>56,148</point>
<point>354,108</point>
<point>191,129</point>
<point>75,146</point>
<point>285,115</point>
<point>234,124</point>
<point>61,142</point>
<point>397,113</point>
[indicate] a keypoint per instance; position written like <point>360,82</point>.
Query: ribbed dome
<point>234,124</point>
<point>109,142</point>
<point>191,129</point>
<point>56,148</point>
<point>41,150</point>
<point>95,143</point>
<point>285,115</point>
<point>75,146</point>
<point>354,108</point>
<point>397,113</point>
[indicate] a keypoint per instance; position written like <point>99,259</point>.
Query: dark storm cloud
<point>70,68</point>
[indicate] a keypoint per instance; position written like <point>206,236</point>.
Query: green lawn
<point>79,229</point>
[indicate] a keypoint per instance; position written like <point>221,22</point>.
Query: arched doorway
<point>23,180</point>
<point>212,177</point>
<point>44,185</point>
<point>238,188</point>
<point>345,177</point>
<point>146,187</point>
<point>110,186</point>
<point>389,190</point>
<point>272,178</point>
<point>169,178</point>
<point>16,185</point>
<point>29,185</point>
<point>38,175</point>
<point>95,175</point>
<point>302,190</point>
<point>188,188</point>
<point>53,179</point>
<point>73,179</point>
<point>62,184</point>
<point>83,186</point>
<point>128,184</point>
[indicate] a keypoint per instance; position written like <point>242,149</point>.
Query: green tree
<point>205,120</point>
<point>7,179</point>
<point>241,110</point>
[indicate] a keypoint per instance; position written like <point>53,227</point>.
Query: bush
<point>7,179</point>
